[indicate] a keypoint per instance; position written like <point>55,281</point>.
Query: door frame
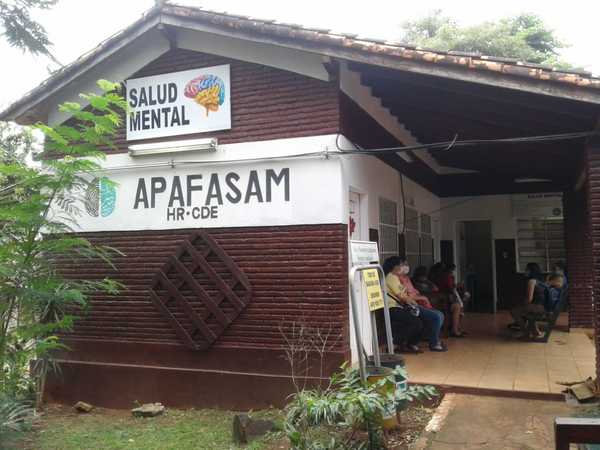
<point>364,211</point>
<point>492,246</point>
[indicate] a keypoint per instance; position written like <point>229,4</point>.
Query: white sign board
<point>363,253</point>
<point>293,192</point>
<point>548,204</point>
<point>192,101</point>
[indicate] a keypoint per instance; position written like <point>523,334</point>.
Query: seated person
<point>421,299</point>
<point>426,287</point>
<point>407,326</point>
<point>560,268</point>
<point>395,267</point>
<point>555,287</point>
<point>535,298</point>
<point>446,283</point>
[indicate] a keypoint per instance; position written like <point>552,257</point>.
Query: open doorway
<point>476,263</point>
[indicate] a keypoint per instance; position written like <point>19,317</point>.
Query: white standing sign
<point>192,101</point>
<point>363,253</point>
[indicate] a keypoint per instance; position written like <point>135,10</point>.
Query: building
<point>227,244</point>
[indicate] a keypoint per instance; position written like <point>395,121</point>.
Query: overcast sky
<point>76,26</point>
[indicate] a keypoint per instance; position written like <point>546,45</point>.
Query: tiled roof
<point>321,37</point>
<point>316,39</point>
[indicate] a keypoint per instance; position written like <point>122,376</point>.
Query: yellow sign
<point>374,294</point>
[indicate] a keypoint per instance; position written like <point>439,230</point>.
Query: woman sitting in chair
<point>534,301</point>
<point>395,267</point>
<point>446,282</point>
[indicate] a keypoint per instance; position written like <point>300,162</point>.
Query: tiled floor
<point>487,359</point>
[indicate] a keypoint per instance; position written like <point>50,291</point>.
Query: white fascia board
<point>231,153</point>
<point>426,157</point>
<point>210,41</point>
<point>117,68</point>
<point>351,85</point>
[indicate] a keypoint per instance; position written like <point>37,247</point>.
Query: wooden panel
<point>202,336</point>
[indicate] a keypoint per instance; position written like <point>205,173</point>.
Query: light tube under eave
<point>161,148</point>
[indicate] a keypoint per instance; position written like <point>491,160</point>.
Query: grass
<point>62,429</point>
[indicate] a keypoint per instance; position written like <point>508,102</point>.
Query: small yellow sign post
<point>373,287</point>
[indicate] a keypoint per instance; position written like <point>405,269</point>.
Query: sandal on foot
<point>413,349</point>
<point>456,335</point>
<point>439,348</point>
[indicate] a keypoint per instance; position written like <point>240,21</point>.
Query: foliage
<point>413,392</point>
<point>332,419</point>
<point>16,142</point>
<point>21,30</point>
<point>14,418</point>
<point>36,301</point>
<point>525,37</point>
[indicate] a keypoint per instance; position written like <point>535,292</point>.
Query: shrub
<point>335,418</point>
<point>15,417</point>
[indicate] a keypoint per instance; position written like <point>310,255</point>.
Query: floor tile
<point>487,361</point>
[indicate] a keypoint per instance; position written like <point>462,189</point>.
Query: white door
<point>354,222</point>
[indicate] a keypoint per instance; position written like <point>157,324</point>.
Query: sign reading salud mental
<point>187,102</point>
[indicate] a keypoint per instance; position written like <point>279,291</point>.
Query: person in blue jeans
<point>395,267</point>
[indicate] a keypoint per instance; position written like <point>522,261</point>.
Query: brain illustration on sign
<point>100,197</point>
<point>206,90</point>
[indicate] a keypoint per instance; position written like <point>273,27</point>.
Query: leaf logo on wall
<point>100,197</point>
<point>207,91</point>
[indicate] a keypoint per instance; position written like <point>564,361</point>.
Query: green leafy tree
<point>38,211</point>
<point>525,37</point>
<point>16,142</point>
<point>21,30</point>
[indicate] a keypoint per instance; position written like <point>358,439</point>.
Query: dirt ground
<point>495,423</point>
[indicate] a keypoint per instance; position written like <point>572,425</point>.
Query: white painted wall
<point>313,194</point>
<point>372,178</point>
<point>496,208</point>
<point>304,63</point>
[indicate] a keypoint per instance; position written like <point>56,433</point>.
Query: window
<point>388,229</point>
<point>411,237</point>
<point>426,242</point>
<point>418,239</point>
<point>541,241</point>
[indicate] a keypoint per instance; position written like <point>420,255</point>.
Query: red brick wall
<point>266,103</point>
<point>295,272</point>
<point>579,258</point>
<point>593,206</point>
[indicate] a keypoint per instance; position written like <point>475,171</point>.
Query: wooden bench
<point>575,430</point>
<point>548,317</point>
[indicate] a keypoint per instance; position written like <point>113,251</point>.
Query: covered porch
<point>440,191</point>
<point>488,360</point>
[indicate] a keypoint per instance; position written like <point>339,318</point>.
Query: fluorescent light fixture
<point>532,180</point>
<point>161,148</point>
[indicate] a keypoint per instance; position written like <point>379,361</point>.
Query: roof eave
<point>455,67</point>
<point>458,67</point>
<point>24,111</point>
